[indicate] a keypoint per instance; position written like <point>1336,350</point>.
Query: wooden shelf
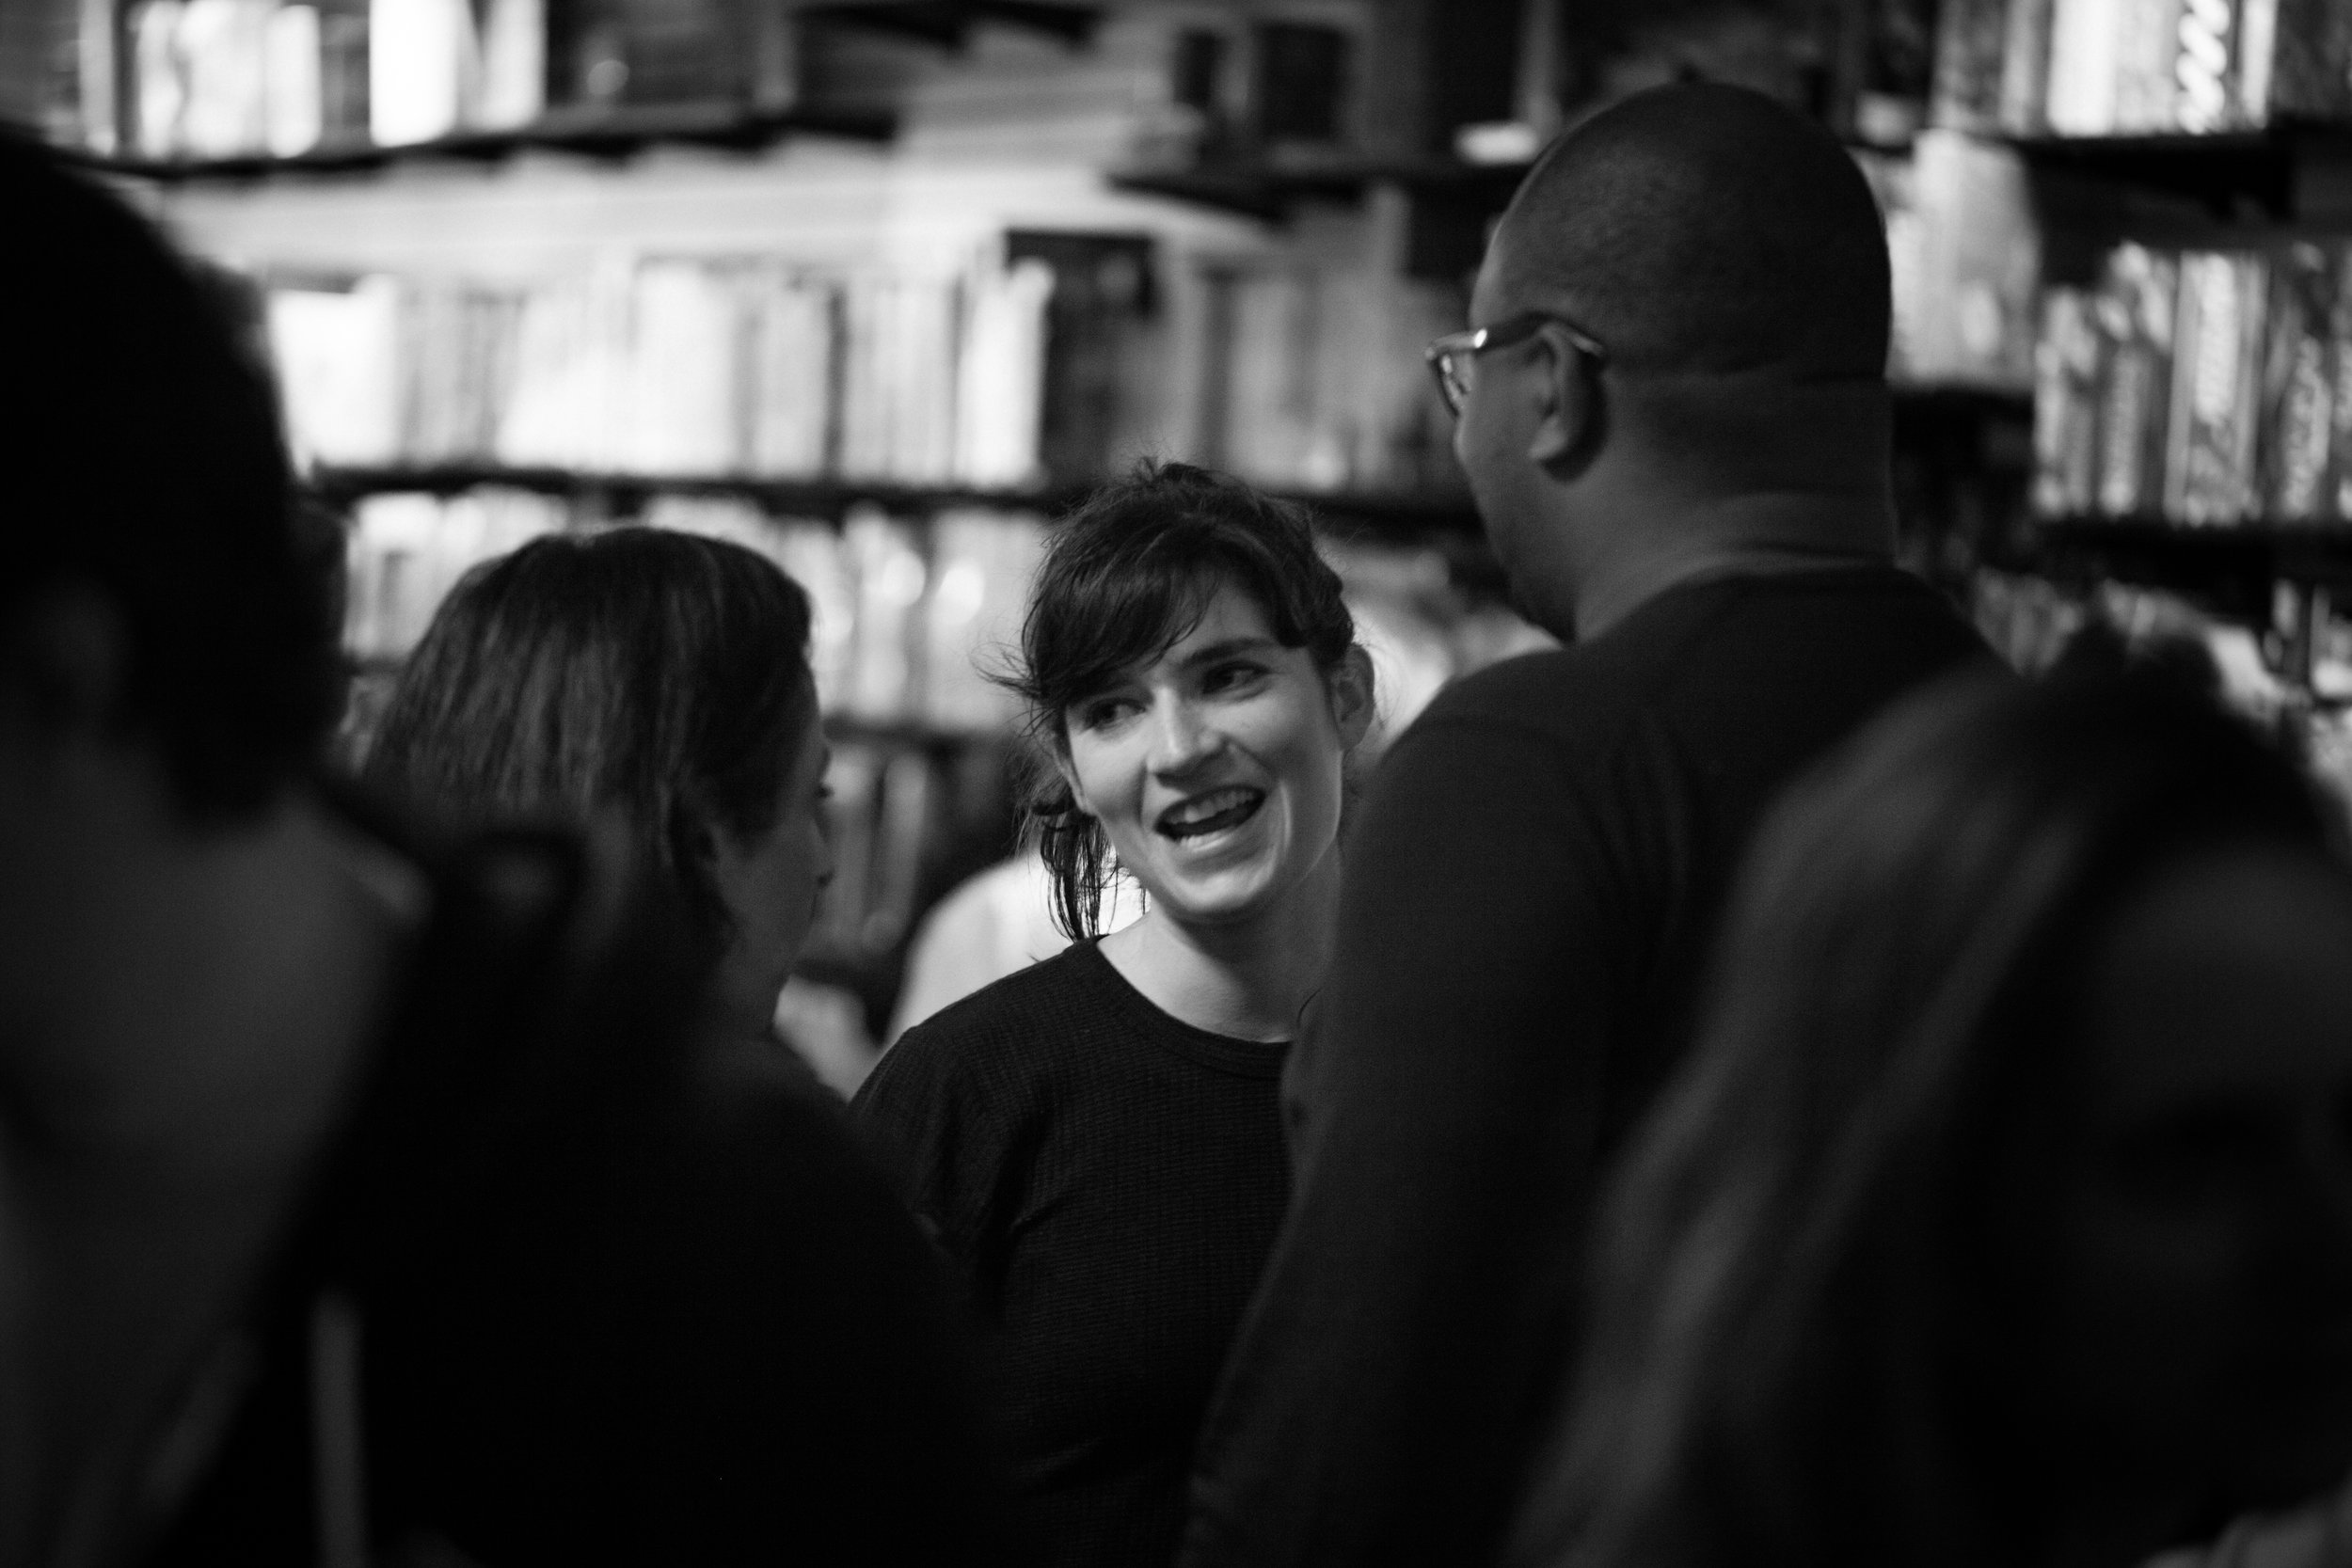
<point>2226,172</point>
<point>1271,192</point>
<point>948,23</point>
<point>1374,515</point>
<point>2233,569</point>
<point>599,134</point>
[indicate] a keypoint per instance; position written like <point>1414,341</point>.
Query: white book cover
<point>421,62</point>
<point>294,107</point>
<point>1001,402</point>
<point>514,65</point>
<point>337,359</point>
<point>682,417</point>
<point>159,81</point>
<point>2084,35</point>
<point>865,410</point>
<point>788,377</point>
<point>228,102</point>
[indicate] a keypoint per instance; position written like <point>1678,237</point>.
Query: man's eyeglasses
<point>1453,358</point>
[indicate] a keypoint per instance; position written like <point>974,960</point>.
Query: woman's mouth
<point>1212,812</point>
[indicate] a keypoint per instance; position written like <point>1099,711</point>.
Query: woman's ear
<point>1069,775</point>
<point>1353,693</point>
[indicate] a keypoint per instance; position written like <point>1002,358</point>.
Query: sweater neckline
<point>1204,1047</point>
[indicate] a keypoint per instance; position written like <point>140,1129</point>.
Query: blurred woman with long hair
<point>2003,1212</point>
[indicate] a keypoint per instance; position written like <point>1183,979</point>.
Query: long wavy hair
<point>1123,579</point>
<point>656,678</point>
<point>1790,1352</point>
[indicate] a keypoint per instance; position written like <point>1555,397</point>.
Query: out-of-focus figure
<point>2004,1211</point>
<point>370,1194</point>
<point>653,682</point>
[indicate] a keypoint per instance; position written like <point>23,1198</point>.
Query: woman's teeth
<point>1213,813</point>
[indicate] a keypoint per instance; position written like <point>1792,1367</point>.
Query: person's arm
<point>1403,1348</point>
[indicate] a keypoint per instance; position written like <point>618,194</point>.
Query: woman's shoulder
<point>1055,1010</point>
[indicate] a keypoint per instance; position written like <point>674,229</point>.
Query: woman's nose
<point>1181,737</point>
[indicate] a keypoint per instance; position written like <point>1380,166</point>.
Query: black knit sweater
<point>1108,1180</point>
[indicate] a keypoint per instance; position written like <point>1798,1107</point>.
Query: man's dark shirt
<point>1527,904</point>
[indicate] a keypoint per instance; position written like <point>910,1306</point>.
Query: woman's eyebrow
<point>1227,648</point>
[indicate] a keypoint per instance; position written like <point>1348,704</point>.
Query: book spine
<point>2339,503</point>
<point>2084,38</point>
<point>2209,469</point>
<point>1968,45</point>
<point>2025,66</point>
<point>2066,372</point>
<point>2203,74</point>
<point>2137,301</point>
<point>2298,386</point>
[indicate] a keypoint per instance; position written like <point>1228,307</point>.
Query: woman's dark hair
<point>1125,578</point>
<point>660,676</point>
<point>1792,1313</point>
<point>145,463</point>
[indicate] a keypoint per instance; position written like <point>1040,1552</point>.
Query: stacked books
<point>676,368</point>
<point>2098,67</point>
<point>2204,387</point>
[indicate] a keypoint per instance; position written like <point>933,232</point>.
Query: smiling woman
<point>1097,1140</point>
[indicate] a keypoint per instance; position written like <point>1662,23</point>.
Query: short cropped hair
<point>659,677</point>
<point>1128,575</point>
<point>1702,228</point>
<point>145,461</point>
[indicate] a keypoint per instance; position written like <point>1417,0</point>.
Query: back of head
<point>1780,1314</point>
<point>658,678</point>
<point>1704,229</point>
<point>146,470</point>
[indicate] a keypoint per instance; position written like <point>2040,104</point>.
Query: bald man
<point>1674,414</point>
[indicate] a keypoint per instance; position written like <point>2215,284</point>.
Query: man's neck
<point>1752,535</point>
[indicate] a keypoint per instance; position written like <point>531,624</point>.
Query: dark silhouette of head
<point>638,676</point>
<point>1962,1236</point>
<point>150,504</point>
<point>1728,256</point>
<point>1704,229</point>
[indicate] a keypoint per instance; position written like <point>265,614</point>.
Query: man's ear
<point>65,661</point>
<point>1353,693</point>
<point>1568,418</point>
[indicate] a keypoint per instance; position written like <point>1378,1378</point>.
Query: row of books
<point>229,78</point>
<point>2095,68</point>
<point>909,620</point>
<point>676,367</point>
<point>2209,386</point>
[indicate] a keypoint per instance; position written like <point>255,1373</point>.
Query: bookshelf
<point>1271,192</point>
<point>606,134</point>
<point>2280,172</point>
<point>1364,515</point>
<point>948,24</point>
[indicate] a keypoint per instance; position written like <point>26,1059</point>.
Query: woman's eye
<point>1110,710</point>
<point>1228,678</point>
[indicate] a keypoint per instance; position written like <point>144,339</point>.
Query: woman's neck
<point>1247,978</point>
